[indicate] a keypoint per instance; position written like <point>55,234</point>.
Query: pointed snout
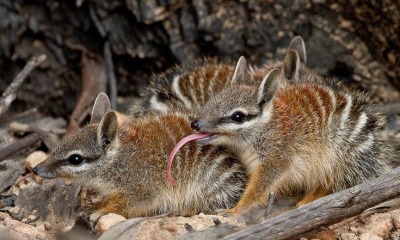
<point>195,125</point>
<point>44,171</point>
<point>35,170</point>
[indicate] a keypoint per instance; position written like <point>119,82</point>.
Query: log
<point>327,210</point>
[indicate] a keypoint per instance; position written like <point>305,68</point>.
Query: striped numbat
<point>296,133</point>
<point>124,160</point>
<point>189,87</point>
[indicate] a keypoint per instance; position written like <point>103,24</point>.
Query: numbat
<point>188,88</point>
<point>125,162</point>
<point>295,133</point>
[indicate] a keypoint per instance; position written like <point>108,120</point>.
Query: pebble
<point>107,221</point>
<point>396,218</point>
<point>35,158</point>
<point>348,236</point>
<point>14,210</point>
<point>369,236</point>
<point>380,225</point>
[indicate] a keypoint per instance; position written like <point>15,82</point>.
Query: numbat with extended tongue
<point>296,133</point>
<point>125,161</point>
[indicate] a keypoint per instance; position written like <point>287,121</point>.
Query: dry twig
<point>110,74</point>
<point>271,201</point>
<point>27,113</point>
<point>93,82</point>
<point>387,109</point>
<point>17,146</point>
<point>9,94</point>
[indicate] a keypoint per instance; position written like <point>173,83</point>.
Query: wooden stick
<point>29,112</point>
<point>93,82</point>
<point>327,210</point>
<point>110,75</point>
<point>387,109</point>
<point>271,201</point>
<point>17,146</point>
<point>9,94</point>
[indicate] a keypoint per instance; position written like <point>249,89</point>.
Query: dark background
<point>357,41</point>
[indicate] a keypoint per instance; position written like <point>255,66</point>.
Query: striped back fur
<point>188,88</point>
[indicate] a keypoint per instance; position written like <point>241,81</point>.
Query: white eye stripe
<point>75,168</point>
<point>242,110</point>
<point>78,152</point>
<point>235,126</point>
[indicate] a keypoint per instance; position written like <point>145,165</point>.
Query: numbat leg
<point>309,197</point>
<point>257,192</point>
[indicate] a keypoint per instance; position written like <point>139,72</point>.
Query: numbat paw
<point>227,212</point>
<point>300,204</point>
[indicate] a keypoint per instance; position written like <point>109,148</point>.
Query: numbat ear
<point>240,71</point>
<point>298,45</point>
<point>269,85</point>
<point>291,65</point>
<point>107,129</point>
<point>100,107</point>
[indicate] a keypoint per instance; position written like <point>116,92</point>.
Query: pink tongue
<point>196,136</point>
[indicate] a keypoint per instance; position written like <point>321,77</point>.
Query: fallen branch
<point>327,210</point>
<point>93,82</point>
<point>110,74</point>
<point>387,109</point>
<point>268,209</point>
<point>28,113</point>
<point>9,94</point>
<point>17,146</point>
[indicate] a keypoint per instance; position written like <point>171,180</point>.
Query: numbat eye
<point>238,117</point>
<point>75,159</point>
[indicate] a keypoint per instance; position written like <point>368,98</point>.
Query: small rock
<point>395,235</point>
<point>41,236</point>
<point>31,217</point>
<point>107,221</point>
<point>35,158</point>
<point>369,236</point>
<point>41,227</point>
<point>48,226</point>
<point>348,236</point>
<point>396,218</point>
<point>354,229</point>
<point>4,217</point>
<point>326,234</point>
<point>380,225</point>
<point>21,231</point>
<point>14,210</point>
<point>66,229</point>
